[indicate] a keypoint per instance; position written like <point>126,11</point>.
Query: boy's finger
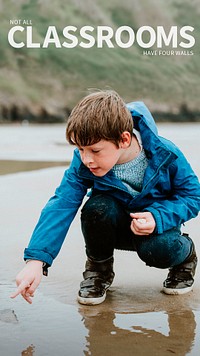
<point>138,215</point>
<point>32,288</point>
<point>21,287</point>
<point>141,220</point>
<point>27,298</point>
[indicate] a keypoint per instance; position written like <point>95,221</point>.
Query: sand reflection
<point>151,333</point>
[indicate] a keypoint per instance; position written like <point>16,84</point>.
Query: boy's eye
<point>93,151</point>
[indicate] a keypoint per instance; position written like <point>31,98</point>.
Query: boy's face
<point>100,157</point>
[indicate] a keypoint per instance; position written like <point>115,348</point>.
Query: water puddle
<point>12,166</point>
<point>146,334</point>
<point>50,327</point>
<point>47,327</point>
<point>140,323</point>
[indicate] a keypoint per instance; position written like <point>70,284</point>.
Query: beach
<point>136,318</point>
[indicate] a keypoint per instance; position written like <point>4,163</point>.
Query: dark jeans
<point>106,226</point>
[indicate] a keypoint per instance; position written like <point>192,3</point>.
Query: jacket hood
<point>144,122</point>
<point>139,110</point>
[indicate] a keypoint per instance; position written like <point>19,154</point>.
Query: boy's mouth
<point>97,171</point>
<point>93,169</point>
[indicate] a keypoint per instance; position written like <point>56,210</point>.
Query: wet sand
<point>13,166</point>
<point>136,319</point>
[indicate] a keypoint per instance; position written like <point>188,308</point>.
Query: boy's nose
<point>87,159</point>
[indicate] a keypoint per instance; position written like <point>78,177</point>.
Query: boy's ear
<point>125,139</point>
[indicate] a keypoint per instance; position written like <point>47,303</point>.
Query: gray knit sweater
<point>132,173</point>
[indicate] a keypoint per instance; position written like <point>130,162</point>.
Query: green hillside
<point>47,82</point>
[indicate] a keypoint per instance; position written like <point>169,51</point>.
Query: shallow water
<point>47,327</point>
<point>50,327</point>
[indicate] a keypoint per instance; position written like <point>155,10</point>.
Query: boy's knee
<point>163,252</point>
<point>155,254</point>
<point>98,207</point>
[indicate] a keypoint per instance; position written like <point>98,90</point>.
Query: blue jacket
<point>171,190</point>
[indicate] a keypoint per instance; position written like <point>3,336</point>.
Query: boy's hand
<point>142,223</point>
<point>28,280</point>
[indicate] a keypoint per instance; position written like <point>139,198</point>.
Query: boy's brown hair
<point>102,115</point>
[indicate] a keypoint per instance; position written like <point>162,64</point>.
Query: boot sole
<point>91,301</point>
<point>174,291</point>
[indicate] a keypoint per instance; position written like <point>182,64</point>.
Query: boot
<point>98,277</point>
<point>181,278</point>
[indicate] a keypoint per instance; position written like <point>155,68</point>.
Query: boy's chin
<point>99,173</point>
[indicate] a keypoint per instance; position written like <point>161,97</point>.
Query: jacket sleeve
<point>183,203</point>
<point>56,217</point>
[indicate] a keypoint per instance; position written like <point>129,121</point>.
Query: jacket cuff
<point>158,219</point>
<point>33,254</point>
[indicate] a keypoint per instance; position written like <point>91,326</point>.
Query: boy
<point>142,190</point>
